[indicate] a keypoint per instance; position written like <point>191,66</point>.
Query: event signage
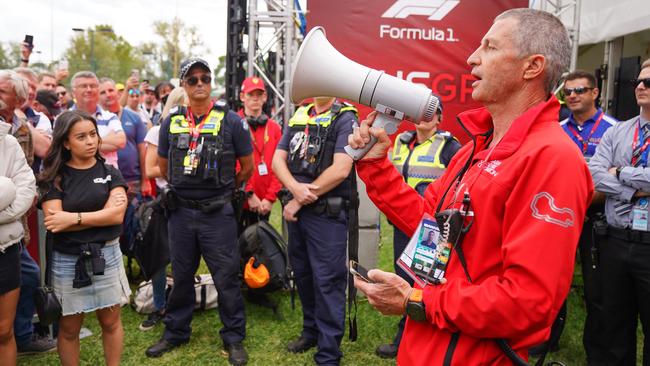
<point>422,41</point>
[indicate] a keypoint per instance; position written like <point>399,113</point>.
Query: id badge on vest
<point>262,169</point>
<point>640,215</point>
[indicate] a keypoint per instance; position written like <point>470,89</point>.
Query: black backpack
<point>150,243</point>
<point>266,245</point>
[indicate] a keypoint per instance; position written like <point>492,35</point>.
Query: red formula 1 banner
<point>422,41</point>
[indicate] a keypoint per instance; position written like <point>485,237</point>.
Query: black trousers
<point>213,236</point>
<point>594,339</point>
<point>624,275</point>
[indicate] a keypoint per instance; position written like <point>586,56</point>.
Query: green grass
<point>267,336</point>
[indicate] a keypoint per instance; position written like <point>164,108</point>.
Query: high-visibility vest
<point>313,135</point>
<point>421,165</point>
<point>313,141</point>
<point>216,167</point>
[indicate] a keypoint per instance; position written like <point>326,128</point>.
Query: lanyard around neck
<point>585,143</point>
<point>195,130</point>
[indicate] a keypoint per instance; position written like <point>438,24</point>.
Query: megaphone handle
<point>382,120</point>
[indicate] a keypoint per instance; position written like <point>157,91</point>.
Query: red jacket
<point>529,202</point>
<point>266,186</point>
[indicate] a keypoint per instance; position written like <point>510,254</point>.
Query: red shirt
<point>264,140</point>
<point>529,200</point>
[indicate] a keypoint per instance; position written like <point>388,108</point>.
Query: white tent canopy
<point>604,20</point>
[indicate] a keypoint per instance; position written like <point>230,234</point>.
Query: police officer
<point>585,126</point>
<point>421,156</point>
<point>311,162</point>
<point>198,147</point>
<point>620,170</point>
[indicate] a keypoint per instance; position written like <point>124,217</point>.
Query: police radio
<point>321,70</point>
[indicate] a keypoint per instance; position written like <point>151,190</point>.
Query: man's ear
<point>534,66</point>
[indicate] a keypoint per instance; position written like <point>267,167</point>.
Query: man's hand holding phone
<point>359,271</point>
<point>386,292</point>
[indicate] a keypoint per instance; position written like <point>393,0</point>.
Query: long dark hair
<point>58,155</point>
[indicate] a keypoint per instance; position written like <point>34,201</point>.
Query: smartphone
<point>63,65</point>
<point>135,73</point>
<point>29,40</point>
<point>358,270</point>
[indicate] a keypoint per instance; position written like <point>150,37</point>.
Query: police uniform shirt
<point>235,138</point>
<point>588,132</point>
<point>615,150</point>
<point>342,129</point>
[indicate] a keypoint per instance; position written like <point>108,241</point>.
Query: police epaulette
<point>336,107</point>
<point>221,105</point>
<point>448,136</point>
<point>407,136</point>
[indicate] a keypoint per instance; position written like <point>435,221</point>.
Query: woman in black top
<point>84,201</point>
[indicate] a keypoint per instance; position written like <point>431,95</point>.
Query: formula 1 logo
<point>434,9</point>
<point>543,206</point>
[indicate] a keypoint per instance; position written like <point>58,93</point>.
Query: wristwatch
<point>618,172</point>
<point>415,306</point>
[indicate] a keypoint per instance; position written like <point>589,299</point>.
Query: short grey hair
<point>106,80</point>
<point>28,73</point>
<point>21,87</point>
<point>82,75</point>
<point>540,32</point>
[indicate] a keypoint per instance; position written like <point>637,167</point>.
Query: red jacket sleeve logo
<point>543,206</point>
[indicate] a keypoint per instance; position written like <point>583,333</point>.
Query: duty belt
<point>205,206</point>
<point>634,236</point>
<point>330,205</point>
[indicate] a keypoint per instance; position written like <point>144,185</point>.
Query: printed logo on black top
<point>102,180</point>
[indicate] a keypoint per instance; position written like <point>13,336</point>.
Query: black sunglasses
<point>646,82</point>
<point>193,80</point>
<point>60,94</point>
<point>578,90</point>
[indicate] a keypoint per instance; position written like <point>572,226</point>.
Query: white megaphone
<point>321,70</point>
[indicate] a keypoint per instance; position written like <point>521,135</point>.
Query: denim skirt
<point>111,288</point>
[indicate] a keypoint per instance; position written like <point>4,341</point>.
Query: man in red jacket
<point>263,186</point>
<point>524,188</point>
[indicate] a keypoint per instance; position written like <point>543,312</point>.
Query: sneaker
<point>152,320</point>
<point>300,345</point>
<point>386,350</point>
<point>37,345</point>
<point>236,354</point>
<point>161,347</point>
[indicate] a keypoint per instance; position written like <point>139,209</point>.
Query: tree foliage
<point>179,41</point>
<point>108,54</point>
<point>9,55</point>
<point>102,51</point>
